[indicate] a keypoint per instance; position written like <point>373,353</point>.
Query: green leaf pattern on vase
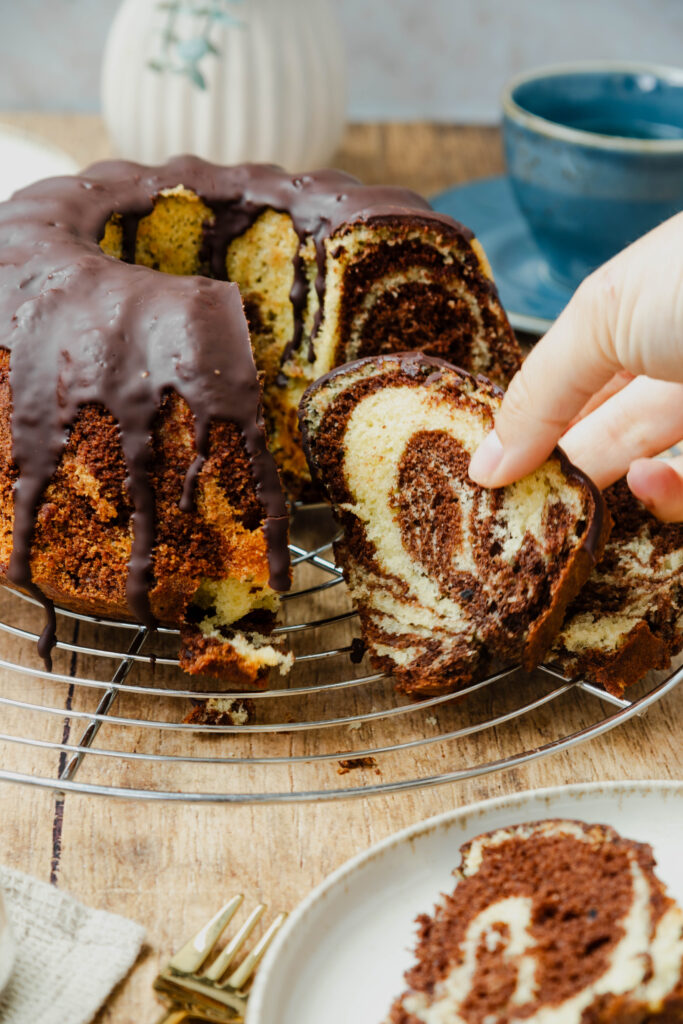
<point>183,56</point>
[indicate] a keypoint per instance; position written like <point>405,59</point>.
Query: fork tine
<point>220,965</point>
<point>241,975</point>
<point>193,954</point>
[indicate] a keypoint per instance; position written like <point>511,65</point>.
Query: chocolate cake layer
<point>100,343</point>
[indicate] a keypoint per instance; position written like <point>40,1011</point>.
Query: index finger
<point>566,368</point>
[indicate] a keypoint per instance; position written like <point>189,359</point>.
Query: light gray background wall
<point>408,59</point>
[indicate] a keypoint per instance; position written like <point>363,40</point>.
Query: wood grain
<point>170,866</point>
<point>425,157</point>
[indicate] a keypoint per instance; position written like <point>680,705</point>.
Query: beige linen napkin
<point>68,957</point>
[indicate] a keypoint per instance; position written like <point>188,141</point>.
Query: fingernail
<point>635,480</point>
<point>486,460</point>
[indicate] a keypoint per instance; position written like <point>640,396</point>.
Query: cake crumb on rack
<point>349,764</point>
<point>220,711</point>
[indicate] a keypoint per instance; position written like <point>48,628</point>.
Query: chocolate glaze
<point>83,327</point>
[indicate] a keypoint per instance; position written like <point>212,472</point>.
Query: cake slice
<point>448,577</point>
<point>628,618</point>
<point>555,922</point>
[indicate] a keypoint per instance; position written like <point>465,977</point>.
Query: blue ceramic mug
<point>595,157</point>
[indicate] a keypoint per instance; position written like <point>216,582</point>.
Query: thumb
<point>573,361</point>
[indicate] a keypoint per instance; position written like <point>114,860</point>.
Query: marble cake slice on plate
<point>628,618</point>
<point>552,922</point>
<point>448,577</point>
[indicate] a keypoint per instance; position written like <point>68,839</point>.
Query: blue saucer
<point>530,295</point>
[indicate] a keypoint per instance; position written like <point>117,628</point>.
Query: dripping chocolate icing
<point>83,327</point>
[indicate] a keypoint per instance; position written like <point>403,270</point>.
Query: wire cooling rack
<point>109,719</point>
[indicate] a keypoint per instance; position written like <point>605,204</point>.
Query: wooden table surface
<point>170,865</point>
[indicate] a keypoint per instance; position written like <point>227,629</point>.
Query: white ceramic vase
<point>228,80</point>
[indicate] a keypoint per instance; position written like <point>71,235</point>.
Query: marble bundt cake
<point>447,576</point>
<point>628,618</point>
<point>134,474</point>
<point>555,922</point>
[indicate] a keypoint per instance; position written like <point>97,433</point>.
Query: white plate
<point>341,956</point>
<point>25,158</point>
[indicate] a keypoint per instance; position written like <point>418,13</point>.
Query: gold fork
<point>208,995</point>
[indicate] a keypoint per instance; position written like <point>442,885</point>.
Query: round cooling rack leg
<point>90,732</point>
<point>595,691</point>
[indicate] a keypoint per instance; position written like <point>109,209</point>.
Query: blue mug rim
<point>578,136</point>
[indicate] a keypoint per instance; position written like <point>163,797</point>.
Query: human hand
<point>607,379</point>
